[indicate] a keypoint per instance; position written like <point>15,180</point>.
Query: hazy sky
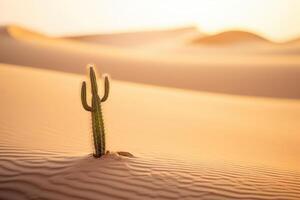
<point>276,19</point>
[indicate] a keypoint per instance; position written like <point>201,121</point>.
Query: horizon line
<point>154,29</point>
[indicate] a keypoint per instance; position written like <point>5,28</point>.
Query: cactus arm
<point>106,89</point>
<point>83,98</point>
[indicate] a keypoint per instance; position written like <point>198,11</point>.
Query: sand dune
<point>252,75</point>
<point>142,118</point>
<point>139,39</point>
<point>231,37</point>
<point>239,37</point>
<point>241,42</point>
<point>188,145</point>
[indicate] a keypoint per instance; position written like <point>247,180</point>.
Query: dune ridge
<point>238,36</point>
<point>137,39</point>
<point>14,29</point>
<point>231,37</point>
<point>251,75</point>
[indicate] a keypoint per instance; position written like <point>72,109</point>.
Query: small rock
<point>126,154</point>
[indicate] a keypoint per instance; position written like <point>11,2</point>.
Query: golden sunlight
<point>150,99</point>
<point>276,19</point>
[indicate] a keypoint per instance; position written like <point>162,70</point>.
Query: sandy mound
<point>16,31</point>
<point>231,37</point>
<point>241,42</point>
<point>139,39</point>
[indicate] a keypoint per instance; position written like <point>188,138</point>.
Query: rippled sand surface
<point>46,175</point>
<point>187,145</point>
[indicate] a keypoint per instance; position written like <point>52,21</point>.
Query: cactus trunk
<point>96,112</point>
<point>98,127</point>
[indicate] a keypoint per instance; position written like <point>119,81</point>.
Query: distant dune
<point>138,39</point>
<point>231,37</point>
<point>18,30</point>
<point>239,37</point>
<point>269,75</point>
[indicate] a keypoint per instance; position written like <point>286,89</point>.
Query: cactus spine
<point>95,109</point>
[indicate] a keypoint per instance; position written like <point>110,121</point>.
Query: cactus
<point>95,109</point>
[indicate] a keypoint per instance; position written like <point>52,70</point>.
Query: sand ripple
<point>49,175</point>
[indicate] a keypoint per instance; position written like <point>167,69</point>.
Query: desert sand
<point>233,135</point>
<point>260,71</point>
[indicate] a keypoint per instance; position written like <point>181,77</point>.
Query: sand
<point>265,73</point>
<point>188,144</point>
<point>231,38</point>
<point>42,175</point>
<point>143,39</point>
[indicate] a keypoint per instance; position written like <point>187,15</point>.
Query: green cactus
<point>95,109</point>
